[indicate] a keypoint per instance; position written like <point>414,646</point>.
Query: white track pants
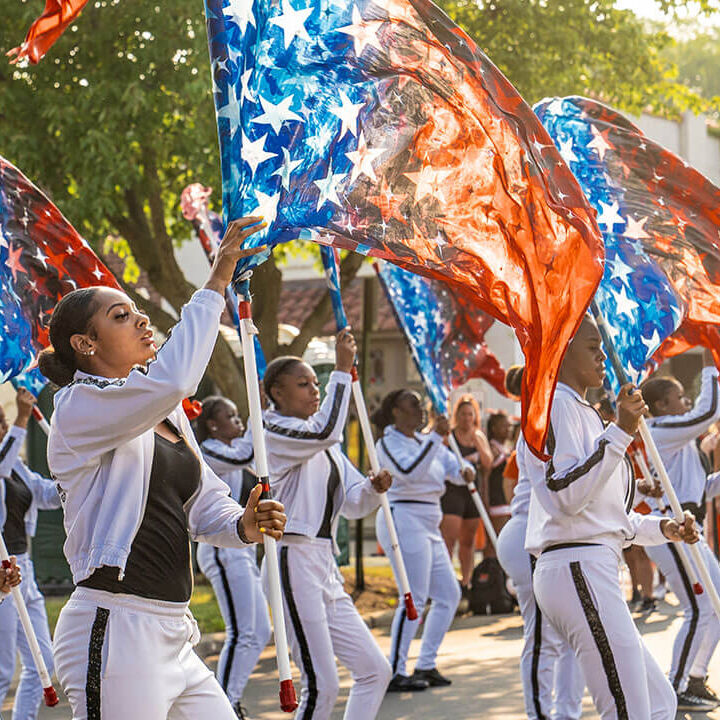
<point>699,634</point>
<point>323,624</point>
<point>431,576</point>
<point>122,657</point>
<point>578,590</point>
<point>547,661</point>
<point>12,640</point>
<point>235,577</point>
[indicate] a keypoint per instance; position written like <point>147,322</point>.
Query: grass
<point>204,605</point>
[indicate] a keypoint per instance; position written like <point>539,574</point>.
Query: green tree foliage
<point>119,117</point>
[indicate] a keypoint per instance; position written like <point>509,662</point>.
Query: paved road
<point>479,654</point>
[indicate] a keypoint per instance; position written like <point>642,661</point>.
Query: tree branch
<point>320,314</point>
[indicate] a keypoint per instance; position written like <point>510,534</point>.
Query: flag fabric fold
<point>43,33</point>
<point>42,258</point>
<point>660,220</point>
<point>383,127</point>
<point>445,333</point>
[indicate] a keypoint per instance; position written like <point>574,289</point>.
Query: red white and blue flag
<point>660,220</point>
<point>445,334</point>
<point>382,126</point>
<point>42,258</point>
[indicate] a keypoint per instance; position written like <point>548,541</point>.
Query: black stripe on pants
<point>687,585</point>
<point>601,640</point>
<point>537,646</point>
<point>398,639</point>
<point>305,656</point>
<point>233,622</point>
<point>94,666</point>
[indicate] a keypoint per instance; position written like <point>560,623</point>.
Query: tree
<point>119,117</point>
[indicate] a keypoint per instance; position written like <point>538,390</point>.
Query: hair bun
<point>54,368</point>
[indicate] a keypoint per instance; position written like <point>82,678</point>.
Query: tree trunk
<point>265,286</point>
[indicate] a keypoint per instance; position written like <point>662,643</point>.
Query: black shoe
<point>646,607</point>
<point>432,677</point>
<point>691,703</point>
<point>697,687</point>
<point>403,683</point>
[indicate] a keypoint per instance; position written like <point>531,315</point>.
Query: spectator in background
<point>460,516</point>
<point>498,434</point>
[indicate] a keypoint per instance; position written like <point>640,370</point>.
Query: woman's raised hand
<point>231,250</point>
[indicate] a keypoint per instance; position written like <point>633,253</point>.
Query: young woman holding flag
<point>579,520</point>
<point>22,493</point>
<point>421,463</point>
<point>233,572</point>
<point>133,483</point>
<point>316,482</point>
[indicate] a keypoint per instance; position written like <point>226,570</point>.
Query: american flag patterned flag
<point>43,33</point>
<point>445,333</point>
<point>42,258</point>
<point>381,125</point>
<point>660,219</point>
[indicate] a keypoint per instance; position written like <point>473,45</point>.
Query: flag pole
<point>475,495</point>
<point>49,694</point>
<point>401,578</point>
<point>682,550</point>
<point>288,699</point>
<point>657,462</point>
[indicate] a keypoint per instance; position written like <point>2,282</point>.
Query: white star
<point>253,152</point>
<point>364,32</point>
<point>267,207</point>
<point>539,147</point>
<point>240,12</point>
<point>318,143</point>
<point>276,115</point>
<point>220,65</point>
<point>292,22</point>
<point>652,343</point>
<point>609,215</point>
<point>286,169</point>
<point>623,304</point>
<point>619,269</point>
<point>69,250</point>
<point>97,272</point>
<point>348,113</point>
<point>362,159</point>
<point>245,93</point>
<point>328,188</point>
<point>556,106</point>
<point>41,257</point>
<point>636,228</point>
<point>231,110</point>
<point>599,143</point>
<point>429,181</point>
<point>566,150</point>
<point>439,242</point>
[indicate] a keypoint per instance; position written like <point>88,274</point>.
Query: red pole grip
<point>410,609</point>
<point>288,699</point>
<point>37,413</point>
<point>244,311</point>
<point>51,698</point>
<point>698,588</point>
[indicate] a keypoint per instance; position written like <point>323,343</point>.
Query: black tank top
<point>18,499</point>
<point>159,563</point>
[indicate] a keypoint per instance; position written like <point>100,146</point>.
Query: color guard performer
<point>317,483</point>
<point>579,520</point>
<point>133,482</point>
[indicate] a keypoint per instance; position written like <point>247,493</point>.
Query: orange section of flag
<point>43,33</point>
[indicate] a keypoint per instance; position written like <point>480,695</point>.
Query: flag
<point>209,228</point>
<point>43,33</point>
<point>331,263</point>
<point>660,220</point>
<point>42,258</point>
<point>444,332</point>
<point>32,380</point>
<point>382,126</point>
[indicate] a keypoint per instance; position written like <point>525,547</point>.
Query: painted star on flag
<point>292,22</point>
<point>348,112</point>
<point>276,115</point>
<point>362,159</point>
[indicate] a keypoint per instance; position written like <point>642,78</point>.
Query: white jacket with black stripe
<point>229,461</point>
<point>300,453</point>
<point>102,440</point>
<point>676,435</point>
<point>44,491</point>
<point>585,492</point>
<point>420,465</point>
